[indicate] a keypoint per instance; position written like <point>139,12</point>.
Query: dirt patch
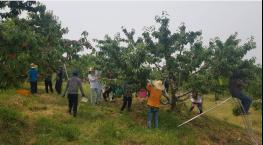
<point>47,99</point>
<point>17,101</point>
<point>38,108</point>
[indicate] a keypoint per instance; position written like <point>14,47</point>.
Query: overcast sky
<point>213,18</point>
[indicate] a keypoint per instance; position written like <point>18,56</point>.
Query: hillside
<point>43,120</point>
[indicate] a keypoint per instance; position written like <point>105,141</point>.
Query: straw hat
<point>91,69</point>
<point>158,84</point>
<point>32,65</point>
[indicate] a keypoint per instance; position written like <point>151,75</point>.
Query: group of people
<point>152,92</point>
<point>155,89</point>
<point>33,79</point>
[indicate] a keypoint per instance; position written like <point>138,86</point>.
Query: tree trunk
<point>173,94</point>
<point>172,83</point>
<point>216,96</point>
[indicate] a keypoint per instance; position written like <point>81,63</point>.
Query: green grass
<point>224,113</point>
<point>12,126</point>
<point>43,120</point>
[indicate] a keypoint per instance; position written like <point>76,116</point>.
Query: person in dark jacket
<point>73,85</point>
<point>106,93</point>
<point>59,80</point>
<point>109,87</point>
<point>127,96</point>
<point>48,81</point>
<point>235,87</point>
<point>32,75</point>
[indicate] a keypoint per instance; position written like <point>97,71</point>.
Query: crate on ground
<point>23,92</point>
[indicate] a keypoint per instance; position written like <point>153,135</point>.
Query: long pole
<point>204,112</point>
<point>247,123</point>
<point>66,70</point>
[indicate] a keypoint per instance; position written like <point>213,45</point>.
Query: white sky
<point>220,18</point>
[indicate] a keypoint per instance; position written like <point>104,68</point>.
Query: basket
<point>23,92</point>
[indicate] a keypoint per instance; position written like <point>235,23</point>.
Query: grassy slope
<point>43,120</point>
<point>224,112</point>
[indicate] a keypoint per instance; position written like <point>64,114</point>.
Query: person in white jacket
<point>196,100</point>
<point>95,86</point>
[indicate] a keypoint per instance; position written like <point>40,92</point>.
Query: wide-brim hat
<point>158,84</point>
<point>32,65</point>
<point>91,69</point>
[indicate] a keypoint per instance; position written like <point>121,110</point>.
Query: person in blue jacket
<point>32,75</point>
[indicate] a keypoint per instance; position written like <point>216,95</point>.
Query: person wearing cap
<point>155,89</point>
<point>32,75</point>
<point>94,86</point>
<point>73,85</point>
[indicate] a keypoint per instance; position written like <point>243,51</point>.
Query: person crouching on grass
<point>155,89</point>
<point>73,85</point>
<point>196,100</point>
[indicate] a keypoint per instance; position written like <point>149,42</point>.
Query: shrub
<point>257,104</point>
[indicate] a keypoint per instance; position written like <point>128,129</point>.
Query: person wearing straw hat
<point>155,89</point>
<point>94,86</point>
<point>32,75</point>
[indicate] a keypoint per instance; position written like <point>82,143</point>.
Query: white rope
<point>204,112</point>
<point>247,124</point>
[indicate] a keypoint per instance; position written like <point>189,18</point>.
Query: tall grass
<point>12,126</point>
